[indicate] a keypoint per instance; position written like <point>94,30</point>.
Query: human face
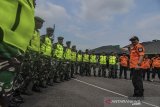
<point>49,32</point>
<point>69,45</point>
<point>38,24</point>
<point>134,42</point>
<point>60,41</point>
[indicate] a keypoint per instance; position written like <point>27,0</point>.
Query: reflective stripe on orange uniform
<point>124,61</point>
<point>135,53</point>
<point>146,64</point>
<point>156,62</point>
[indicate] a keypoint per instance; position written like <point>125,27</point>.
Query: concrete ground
<point>94,92</point>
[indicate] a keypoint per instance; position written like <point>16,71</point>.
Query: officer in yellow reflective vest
<point>35,40</point>
<point>16,17</point>
<point>93,62</point>
<point>46,43</point>
<point>86,69</point>
<point>112,65</point>
<point>73,60</point>
<point>58,51</point>
<point>79,62</point>
<point>67,58</point>
<point>34,51</point>
<point>103,65</point>
<point>67,51</point>
<point>46,51</point>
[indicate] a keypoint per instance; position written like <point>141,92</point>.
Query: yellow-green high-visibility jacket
<point>85,58</point>
<point>58,53</point>
<point>112,60</point>
<point>73,56</point>
<point>93,58</point>
<point>35,42</point>
<point>79,57</point>
<point>17,22</point>
<point>103,59</point>
<point>46,47</point>
<point>67,54</point>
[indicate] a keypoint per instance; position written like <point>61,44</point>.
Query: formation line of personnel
<point>30,61</point>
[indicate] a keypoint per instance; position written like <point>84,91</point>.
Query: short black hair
<point>134,38</point>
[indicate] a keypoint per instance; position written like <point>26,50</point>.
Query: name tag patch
<point>140,49</point>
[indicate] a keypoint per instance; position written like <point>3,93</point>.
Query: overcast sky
<point>94,23</point>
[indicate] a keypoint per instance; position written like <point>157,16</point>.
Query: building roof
<point>108,49</point>
<point>152,47</point>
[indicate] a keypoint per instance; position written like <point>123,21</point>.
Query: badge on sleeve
<point>140,49</point>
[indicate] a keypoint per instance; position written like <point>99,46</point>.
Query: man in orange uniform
<point>136,58</point>
<point>146,64</point>
<point>123,65</point>
<point>156,66</point>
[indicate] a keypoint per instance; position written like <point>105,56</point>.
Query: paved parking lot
<point>94,92</point>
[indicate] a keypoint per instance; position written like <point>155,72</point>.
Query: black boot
<point>4,101</point>
<point>16,97</point>
<point>55,80</point>
<point>13,101</point>
<point>66,77</point>
<point>36,88</point>
<point>43,84</point>
<point>28,90</point>
<point>13,104</point>
<point>50,82</point>
<point>61,78</point>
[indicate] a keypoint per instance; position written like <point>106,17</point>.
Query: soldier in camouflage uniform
<point>93,63</point>
<point>46,49</point>
<point>79,62</point>
<point>30,64</point>
<point>67,58</point>
<point>59,58</point>
<point>73,60</point>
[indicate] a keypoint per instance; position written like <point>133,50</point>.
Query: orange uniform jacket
<point>146,64</point>
<point>156,62</point>
<point>135,53</point>
<point>124,61</point>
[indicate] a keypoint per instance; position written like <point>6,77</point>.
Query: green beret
<point>60,38</point>
<point>80,51</point>
<point>39,19</point>
<point>50,29</point>
<point>73,46</point>
<point>87,50</point>
<point>68,42</point>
